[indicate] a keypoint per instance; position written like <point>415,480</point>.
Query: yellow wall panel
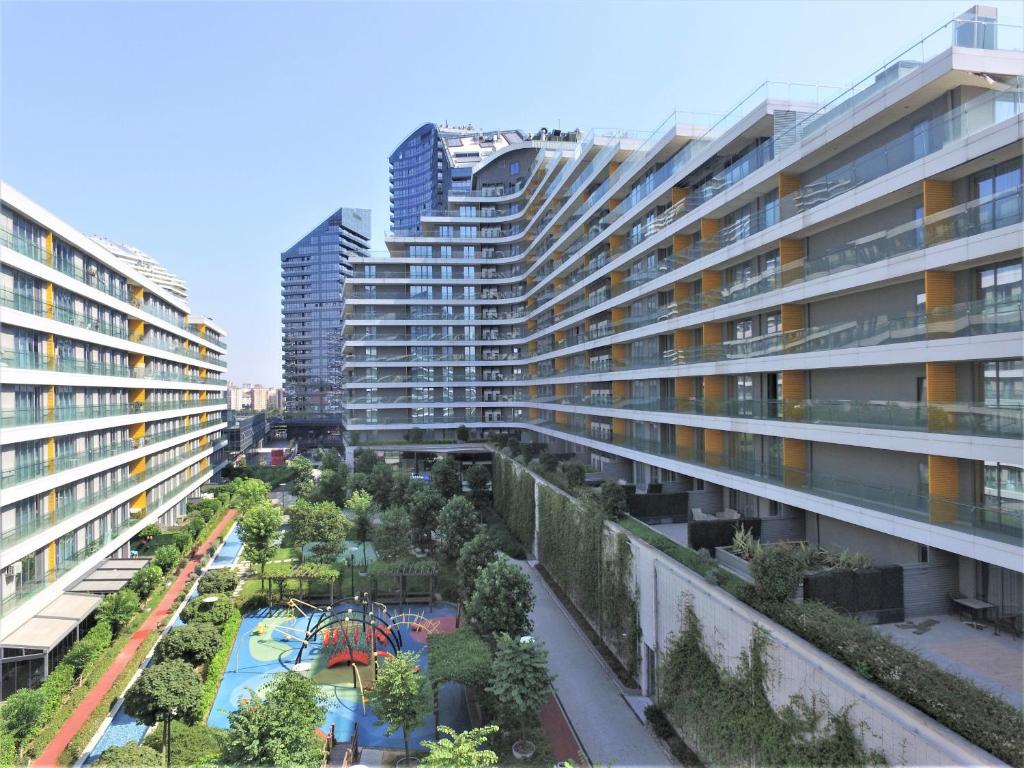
<point>943,488</point>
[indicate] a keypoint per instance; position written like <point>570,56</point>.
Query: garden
<point>374,612</point>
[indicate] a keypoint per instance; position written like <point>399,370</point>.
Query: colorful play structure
<point>358,638</point>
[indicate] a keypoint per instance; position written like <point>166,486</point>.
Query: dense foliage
<point>277,727</point>
<point>457,523</point>
<point>502,600</point>
<point>513,498</point>
<point>460,750</point>
<point>520,683</point>
<point>194,643</point>
<point>168,688</point>
<point>461,656</point>
<point>400,694</point>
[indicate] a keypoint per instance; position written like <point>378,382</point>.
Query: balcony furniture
<point>975,607</point>
<point>1014,622</point>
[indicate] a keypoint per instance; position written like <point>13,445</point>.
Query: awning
<point>53,623</point>
<point>110,575</point>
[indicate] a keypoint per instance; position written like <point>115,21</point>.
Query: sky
<point>215,135</point>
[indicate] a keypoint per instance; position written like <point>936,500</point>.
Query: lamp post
<point>171,713</point>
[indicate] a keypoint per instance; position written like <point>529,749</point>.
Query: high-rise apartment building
<point>434,160</point>
<point>111,417</point>
<point>313,273</point>
<point>805,312</point>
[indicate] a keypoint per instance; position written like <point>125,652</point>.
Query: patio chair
<point>1012,622</point>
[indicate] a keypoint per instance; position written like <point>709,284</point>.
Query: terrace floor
<point>675,531</point>
<point>995,662</point>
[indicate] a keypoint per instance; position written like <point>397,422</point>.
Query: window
<point>513,168</point>
<point>1003,382</point>
<point>743,329</point>
<point>997,192</point>
<point>1000,283</point>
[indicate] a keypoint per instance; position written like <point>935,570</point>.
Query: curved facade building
<point>433,161</point>
<point>805,314</point>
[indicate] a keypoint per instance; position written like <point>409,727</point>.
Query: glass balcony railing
<point>988,522</point>
<point>17,417</point>
<point>37,306</point>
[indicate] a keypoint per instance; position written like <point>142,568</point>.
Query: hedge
<point>513,499</point>
<point>217,666</point>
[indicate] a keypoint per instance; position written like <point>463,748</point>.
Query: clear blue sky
<point>214,135</point>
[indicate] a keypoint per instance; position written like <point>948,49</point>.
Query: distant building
<point>254,397</point>
<point>145,265</point>
<point>433,161</point>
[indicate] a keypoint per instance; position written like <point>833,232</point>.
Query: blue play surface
<point>257,656</point>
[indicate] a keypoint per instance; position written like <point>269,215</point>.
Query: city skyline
<point>234,181</point>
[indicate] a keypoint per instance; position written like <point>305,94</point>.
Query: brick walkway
<point>51,755</point>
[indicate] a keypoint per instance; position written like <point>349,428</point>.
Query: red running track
<point>51,755</point>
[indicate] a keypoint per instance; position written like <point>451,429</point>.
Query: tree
<point>145,580</point>
<point>331,461</point>
<point>259,530</point>
<point>424,505</point>
<point>149,532</point>
<point>400,695</point>
<point>613,500</point>
<point>333,485</point>
<point>21,712</point>
<point>278,726</point>
<point>170,688</point>
<point>361,505</point>
<point>320,524</point>
<point>502,600</point>
<point>444,474</point>
<point>476,553</point>
<point>457,523</point>
<point>118,608</point>
<point>575,474</point>
<point>302,482</point>
<point>365,461</point>
<point>478,478</point>
<point>196,746</point>
<point>460,750</point>
<point>218,581</point>
<point>207,610</point>
<point>520,681</point>
<point>381,484</point>
<point>130,755</point>
<point>250,493</point>
<point>166,558</point>
<point>196,643</point>
<point>393,536</point>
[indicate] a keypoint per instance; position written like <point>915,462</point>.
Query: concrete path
<point>591,695</point>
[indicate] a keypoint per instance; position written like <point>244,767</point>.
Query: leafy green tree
<point>444,474</point>
<point>320,524</point>
<point>502,600</point>
<point>400,695</point>
<point>361,506</point>
<point>424,505</point>
<point>197,643</point>
<point>21,712</point>
<point>393,535</point>
<point>259,530</point>
<point>462,433</point>
<point>359,481</point>
<point>166,558</point>
<point>457,523</point>
<point>575,474</point>
<point>302,476</point>
<point>168,688</point>
<point>205,610</point>
<point>520,683</point>
<point>149,531</point>
<point>460,750</point>
<point>118,608</point>
<point>331,460</point>
<point>145,580</point>
<point>194,746</point>
<point>278,726</point>
<point>130,755</point>
<point>250,493</point>
<point>365,461</point>
<point>478,478</point>
<point>476,553</point>
<point>333,485</point>
<point>218,581</point>
<point>612,499</point>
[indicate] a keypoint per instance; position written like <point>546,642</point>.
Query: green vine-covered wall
<point>513,498</point>
<point>727,715</point>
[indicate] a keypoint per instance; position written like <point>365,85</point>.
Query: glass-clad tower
<point>433,161</point>
<point>313,273</point>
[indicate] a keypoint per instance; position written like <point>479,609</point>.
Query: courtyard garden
<point>374,612</point>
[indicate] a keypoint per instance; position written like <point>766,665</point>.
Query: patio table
<point>975,606</point>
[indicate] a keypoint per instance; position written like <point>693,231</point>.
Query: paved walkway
<point>994,662</point>
<point>591,695</point>
<point>51,755</point>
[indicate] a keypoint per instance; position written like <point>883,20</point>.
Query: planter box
<point>741,568</point>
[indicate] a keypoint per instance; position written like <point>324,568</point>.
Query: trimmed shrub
<point>131,755</point>
<point>145,580</point>
<point>218,581</point>
<point>196,643</point>
<point>214,612</point>
<point>167,557</point>
<point>777,572</point>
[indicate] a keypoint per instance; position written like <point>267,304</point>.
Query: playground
<point>339,648</point>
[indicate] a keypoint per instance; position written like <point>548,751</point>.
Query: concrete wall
<point>895,301</point>
<point>891,382</point>
<point>903,734</point>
